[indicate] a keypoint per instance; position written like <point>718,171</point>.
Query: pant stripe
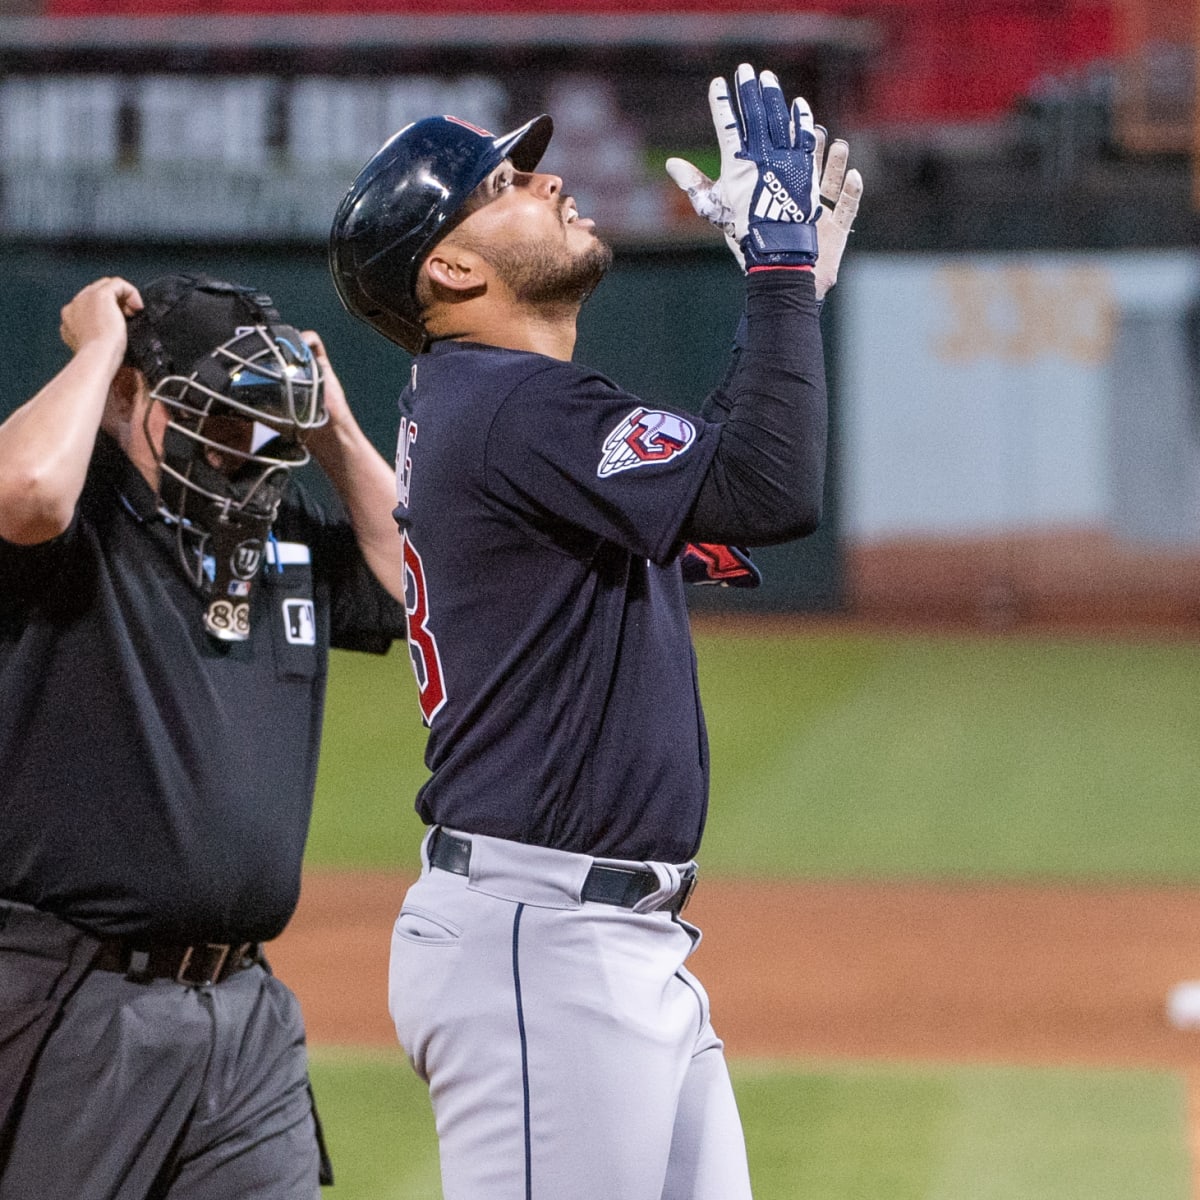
<point>516,967</point>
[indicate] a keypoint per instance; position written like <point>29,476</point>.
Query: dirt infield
<point>999,973</point>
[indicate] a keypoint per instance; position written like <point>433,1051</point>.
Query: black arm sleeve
<point>767,477</point>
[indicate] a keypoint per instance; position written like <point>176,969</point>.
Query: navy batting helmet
<point>403,201</point>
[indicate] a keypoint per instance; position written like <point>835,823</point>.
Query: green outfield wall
<point>661,326</point>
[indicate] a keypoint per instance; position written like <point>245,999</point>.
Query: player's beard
<point>545,277</point>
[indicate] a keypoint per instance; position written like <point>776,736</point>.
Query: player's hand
<point>840,191</point>
<point>766,198</point>
<point>712,199</point>
<point>98,313</point>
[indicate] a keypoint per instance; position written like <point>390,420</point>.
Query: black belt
<point>623,886</point>
<point>196,966</point>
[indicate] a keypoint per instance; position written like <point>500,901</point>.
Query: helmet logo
<point>245,559</point>
<point>468,125</point>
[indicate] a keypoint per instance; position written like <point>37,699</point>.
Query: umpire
<point>168,597</point>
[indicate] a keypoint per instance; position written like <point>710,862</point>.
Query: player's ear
<point>454,268</point>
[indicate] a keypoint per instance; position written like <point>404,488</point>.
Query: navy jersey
<point>542,508</point>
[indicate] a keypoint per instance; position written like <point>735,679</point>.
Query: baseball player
<point>538,979</point>
<point>168,596</point>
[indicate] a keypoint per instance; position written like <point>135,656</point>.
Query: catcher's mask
<point>241,390</point>
<point>407,197</point>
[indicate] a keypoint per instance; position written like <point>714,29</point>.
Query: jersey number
<point>422,645</point>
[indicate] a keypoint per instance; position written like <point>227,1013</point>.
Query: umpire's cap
<point>403,201</point>
<point>184,318</point>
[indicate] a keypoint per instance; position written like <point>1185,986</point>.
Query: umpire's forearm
<point>47,443</point>
<point>366,486</point>
<point>767,478</point>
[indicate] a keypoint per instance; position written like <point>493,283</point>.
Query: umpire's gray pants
<point>156,1090</point>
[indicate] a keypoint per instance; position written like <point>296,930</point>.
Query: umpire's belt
<point>200,965</point>
<point>623,886</point>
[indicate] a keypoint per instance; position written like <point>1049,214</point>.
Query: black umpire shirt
<point>156,783</point>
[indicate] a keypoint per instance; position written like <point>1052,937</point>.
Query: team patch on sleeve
<point>645,437</point>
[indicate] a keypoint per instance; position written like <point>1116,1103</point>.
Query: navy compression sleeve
<point>767,477</point>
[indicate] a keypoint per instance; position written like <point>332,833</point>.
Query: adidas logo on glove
<point>775,203</point>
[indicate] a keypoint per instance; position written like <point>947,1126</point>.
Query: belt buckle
<point>212,975</point>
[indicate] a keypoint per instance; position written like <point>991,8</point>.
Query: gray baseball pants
<point>568,1051</point>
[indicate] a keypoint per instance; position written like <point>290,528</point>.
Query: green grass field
<point>838,1131</point>
<point>865,756</point>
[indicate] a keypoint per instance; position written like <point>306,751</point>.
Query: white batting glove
<point>841,190</point>
<point>711,199</point>
<point>765,199</point>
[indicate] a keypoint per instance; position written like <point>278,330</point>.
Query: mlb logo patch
<point>645,437</point>
<point>300,622</point>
